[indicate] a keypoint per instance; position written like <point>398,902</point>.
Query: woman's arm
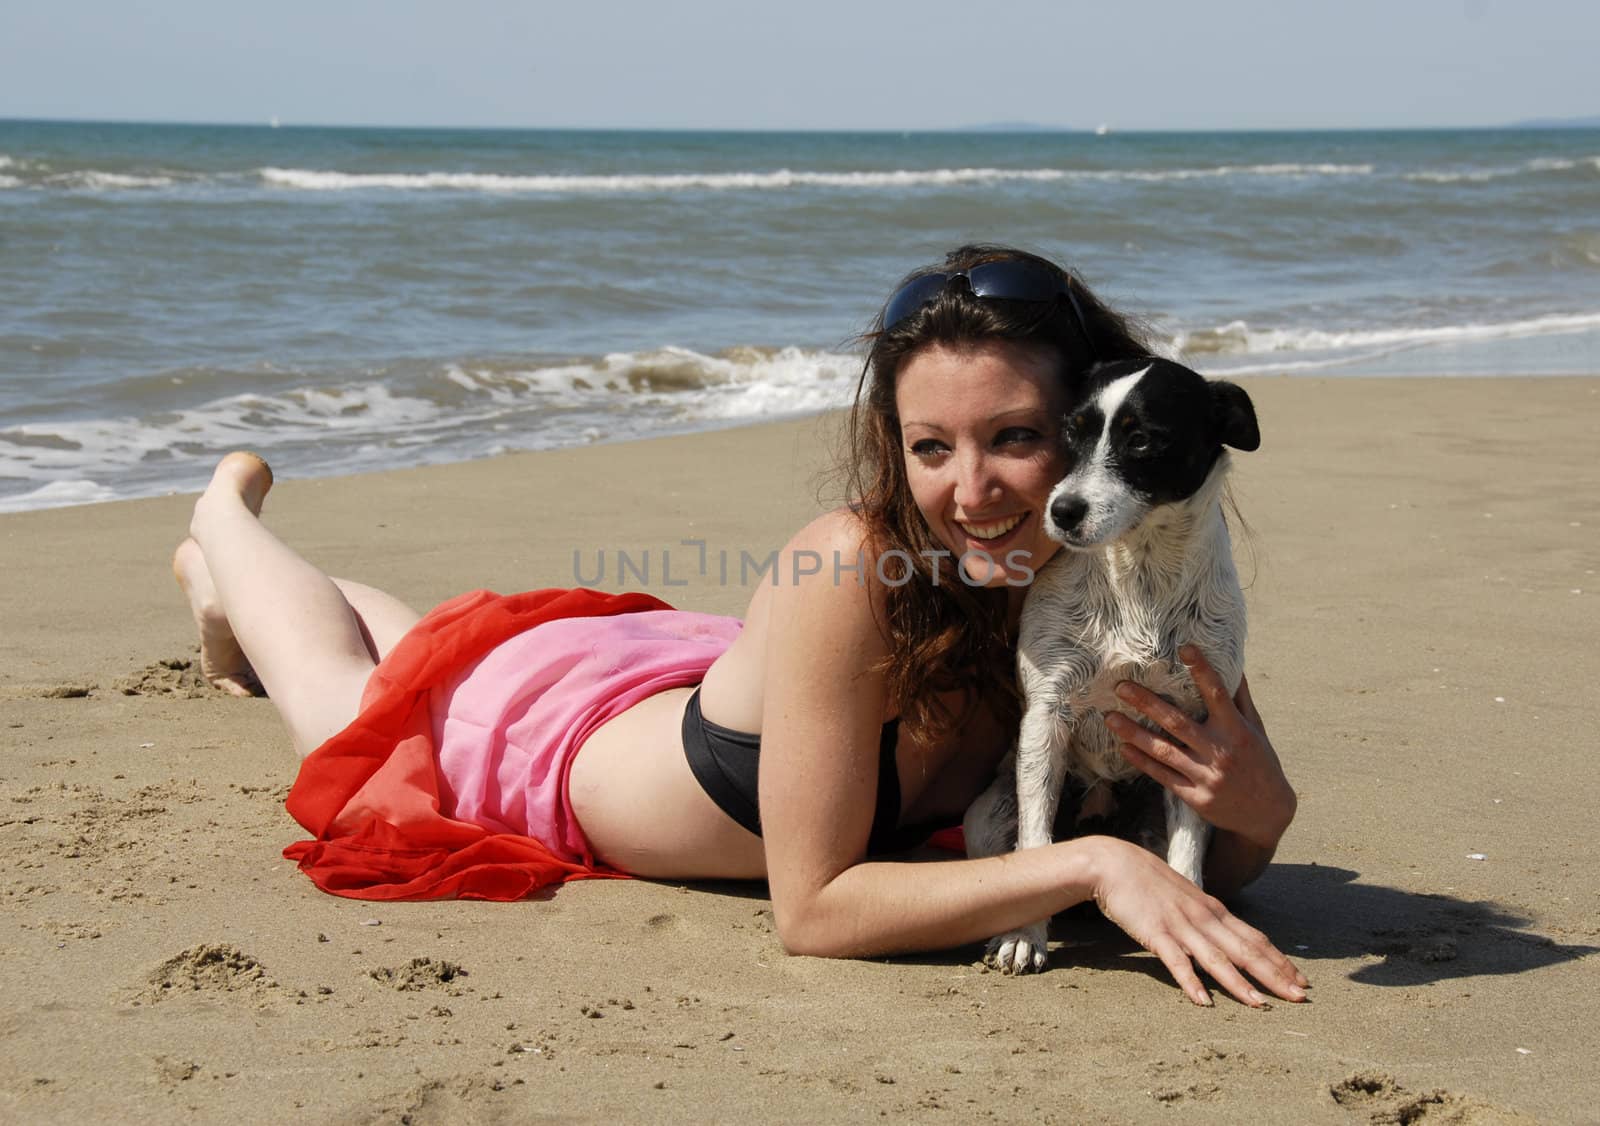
<point>1224,767</point>
<point>878,907</point>
<point>822,713</point>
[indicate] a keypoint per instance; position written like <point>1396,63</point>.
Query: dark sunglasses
<point>1010,279</point>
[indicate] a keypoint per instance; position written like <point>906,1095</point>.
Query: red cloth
<point>370,795</point>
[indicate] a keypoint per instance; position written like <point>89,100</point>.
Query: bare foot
<point>222,662</point>
<point>246,475</point>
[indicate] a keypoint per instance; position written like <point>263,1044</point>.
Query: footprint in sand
<point>1383,1100</point>
<point>171,676</point>
<point>419,974</point>
<point>66,691</point>
<point>208,968</point>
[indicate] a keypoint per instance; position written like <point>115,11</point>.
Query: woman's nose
<point>975,482</point>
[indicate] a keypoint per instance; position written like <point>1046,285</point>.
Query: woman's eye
<point>1014,434</point>
<point>928,447</point>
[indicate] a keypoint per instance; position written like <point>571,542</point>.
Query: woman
<point>875,666</point>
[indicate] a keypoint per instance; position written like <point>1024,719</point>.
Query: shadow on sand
<point>1419,937</point>
<point>1314,912</point>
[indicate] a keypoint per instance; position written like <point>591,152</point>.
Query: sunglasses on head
<point>1010,279</point>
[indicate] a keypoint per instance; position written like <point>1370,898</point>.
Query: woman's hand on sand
<point>1222,767</point>
<point>1183,926</point>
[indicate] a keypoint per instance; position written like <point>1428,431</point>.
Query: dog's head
<point>1145,433</point>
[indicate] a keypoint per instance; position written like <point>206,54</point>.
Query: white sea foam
<point>743,383</point>
<point>322,180</point>
<point>58,494</point>
<point>10,182</point>
<point>469,411</point>
<point>313,180</point>
<point>1237,337</point>
<point>1500,172</point>
<point>1293,171</point>
<point>495,183</point>
<point>108,181</point>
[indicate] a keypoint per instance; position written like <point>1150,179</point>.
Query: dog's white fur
<point>1148,581</point>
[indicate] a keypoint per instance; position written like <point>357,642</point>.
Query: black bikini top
<point>725,762</point>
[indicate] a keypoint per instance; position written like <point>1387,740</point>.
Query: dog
<point>1147,567</point>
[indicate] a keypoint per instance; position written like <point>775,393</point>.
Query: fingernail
<point>1296,993</point>
<point>1256,998</point>
<point>1125,691</point>
<point>1186,652</point>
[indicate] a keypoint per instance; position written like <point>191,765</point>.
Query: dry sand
<point>1425,614</point>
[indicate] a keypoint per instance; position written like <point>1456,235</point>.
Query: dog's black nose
<point>1068,512</point>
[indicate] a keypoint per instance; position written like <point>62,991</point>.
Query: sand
<point>1425,611</point>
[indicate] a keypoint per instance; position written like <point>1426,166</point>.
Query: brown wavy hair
<point>944,635</point>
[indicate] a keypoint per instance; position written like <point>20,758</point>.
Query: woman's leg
<point>267,615</point>
<point>382,617</point>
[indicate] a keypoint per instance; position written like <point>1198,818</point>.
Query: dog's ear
<point>1234,415</point>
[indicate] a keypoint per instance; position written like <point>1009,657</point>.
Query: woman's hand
<point>1224,767</point>
<point>1182,925</point>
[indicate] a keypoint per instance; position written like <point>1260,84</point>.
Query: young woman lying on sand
<point>883,702</point>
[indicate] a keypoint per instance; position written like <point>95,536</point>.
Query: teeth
<point>991,531</point>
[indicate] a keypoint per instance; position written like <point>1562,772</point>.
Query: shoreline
<point>711,425</point>
<point>1423,606</point>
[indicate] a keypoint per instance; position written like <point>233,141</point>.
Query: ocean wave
<point>458,411</point>
<point>1500,172</point>
<point>624,183</point>
<point>59,494</point>
<point>314,180</point>
<point>1238,338</point>
<point>310,180</point>
<point>38,176</point>
<point>1293,171</point>
<point>109,181</point>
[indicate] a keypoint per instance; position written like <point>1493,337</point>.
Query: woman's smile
<point>992,531</point>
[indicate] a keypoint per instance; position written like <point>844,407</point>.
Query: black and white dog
<point>1148,568</point>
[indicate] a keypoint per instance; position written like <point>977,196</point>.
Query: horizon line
<point>1000,127</point>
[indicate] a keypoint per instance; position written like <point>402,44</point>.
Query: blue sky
<point>808,64</point>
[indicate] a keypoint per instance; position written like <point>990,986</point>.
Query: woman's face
<point>980,427</point>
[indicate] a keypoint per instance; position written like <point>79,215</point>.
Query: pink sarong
<point>452,780</point>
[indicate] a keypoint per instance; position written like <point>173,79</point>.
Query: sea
<point>353,299</point>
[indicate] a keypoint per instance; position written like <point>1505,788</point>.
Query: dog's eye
<point>1136,442</point>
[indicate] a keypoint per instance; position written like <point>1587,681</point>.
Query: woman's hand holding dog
<point>1223,767</point>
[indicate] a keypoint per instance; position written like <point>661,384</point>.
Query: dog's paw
<point>1020,952</point>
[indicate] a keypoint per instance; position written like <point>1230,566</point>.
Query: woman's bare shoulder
<point>804,616</point>
<point>821,577</point>
<point>841,530</point>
